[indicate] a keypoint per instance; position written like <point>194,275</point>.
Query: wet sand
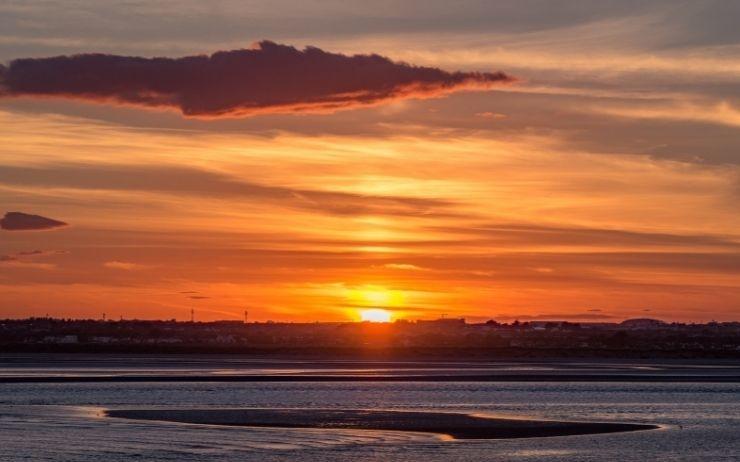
<point>455,425</point>
<point>104,368</point>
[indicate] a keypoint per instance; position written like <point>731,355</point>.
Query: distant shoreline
<point>448,338</point>
<point>455,425</point>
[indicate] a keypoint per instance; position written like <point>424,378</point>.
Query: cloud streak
<point>123,265</point>
<point>511,234</point>
<point>167,179</point>
<point>19,221</point>
<point>268,78</point>
<point>21,259</point>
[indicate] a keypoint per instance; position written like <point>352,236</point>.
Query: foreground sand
<point>458,426</point>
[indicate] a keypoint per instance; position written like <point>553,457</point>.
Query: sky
<point>305,160</point>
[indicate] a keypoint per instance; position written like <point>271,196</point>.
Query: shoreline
<point>458,426</point>
<point>253,378</point>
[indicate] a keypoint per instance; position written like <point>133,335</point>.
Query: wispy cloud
<point>540,235</point>
<point>721,113</point>
<point>25,259</point>
<point>124,265</point>
<point>198,182</point>
<point>403,266</point>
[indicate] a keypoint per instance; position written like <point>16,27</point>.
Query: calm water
<point>62,422</point>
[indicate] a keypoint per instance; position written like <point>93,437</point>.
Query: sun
<point>373,303</point>
<point>375,315</point>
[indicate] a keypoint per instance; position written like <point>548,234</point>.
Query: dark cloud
<point>17,256</point>
<point>30,253</point>
<point>199,297</point>
<point>185,180</point>
<point>19,221</point>
<point>268,78</point>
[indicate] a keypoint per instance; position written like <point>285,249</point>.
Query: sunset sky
<point>520,159</point>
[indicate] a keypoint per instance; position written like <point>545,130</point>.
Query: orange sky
<point>603,185</point>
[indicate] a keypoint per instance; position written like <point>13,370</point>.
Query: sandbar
<point>455,425</point>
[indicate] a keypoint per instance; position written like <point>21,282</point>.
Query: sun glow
<point>375,315</point>
<point>372,296</point>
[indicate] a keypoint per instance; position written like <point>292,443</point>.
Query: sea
<point>66,421</point>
